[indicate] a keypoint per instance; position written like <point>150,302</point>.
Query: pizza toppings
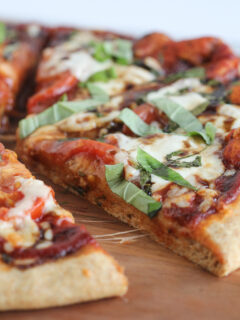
<point>160,141</point>
<point>2,32</point>
<point>129,192</point>
<point>33,228</point>
<point>57,238</point>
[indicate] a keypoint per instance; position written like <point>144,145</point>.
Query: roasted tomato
<point>50,94</point>
<point>234,96</point>
<point>231,153</point>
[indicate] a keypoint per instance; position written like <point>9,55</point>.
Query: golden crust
<point>87,275</point>
<point>214,244</point>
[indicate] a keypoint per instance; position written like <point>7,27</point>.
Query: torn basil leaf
<point>97,93</point>
<point>99,52</point>
<point>200,108</point>
<point>207,134</point>
<point>2,32</point>
<point>172,161</point>
<point>197,72</point>
<point>145,181</point>
<point>60,111</point>
<point>120,49</point>
<point>210,131</point>
<point>101,76</point>
<point>136,124</point>
<point>129,192</point>
<point>184,118</point>
<point>157,168</point>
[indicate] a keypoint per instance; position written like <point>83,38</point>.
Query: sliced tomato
<point>60,152</point>
<point>50,94</point>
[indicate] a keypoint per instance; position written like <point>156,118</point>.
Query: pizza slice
<point>75,58</point>
<point>20,46</point>
<point>162,156</point>
<point>45,258</point>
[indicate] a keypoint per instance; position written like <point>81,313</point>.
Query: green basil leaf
<point>157,168</point>
<point>120,49</point>
<point>179,163</point>
<point>145,181</point>
<point>97,93</point>
<point>64,97</point>
<point>101,76</point>
<point>197,72</point>
<point>129,192</point>
<point>210,131</point>
<point>175,112</point>
<point>2,32</point>
<point>136,124</point>
<point>57,112</point>
<point>200,108</point>
<point>99,52</point>
<point>184,118</point>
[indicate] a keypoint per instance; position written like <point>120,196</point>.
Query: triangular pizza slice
<point>45,258</point>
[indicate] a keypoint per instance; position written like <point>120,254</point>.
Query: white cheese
<point>231,111</point>
<point>189,100</point>
<point>81,64</point>
<point>126,75</point>
<point>32,189</point>
<point>161,145</point>
<point>19,229</point>
<point>189,83</point>
<point>86,121</point>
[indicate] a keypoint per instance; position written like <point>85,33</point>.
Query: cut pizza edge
<point>87,275</point>
<point>214,244</point>
<point>82,273</point>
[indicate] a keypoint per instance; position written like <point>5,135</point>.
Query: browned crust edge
<point>191,245</point>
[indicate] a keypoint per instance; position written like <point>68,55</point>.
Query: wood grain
<point>162,284</point>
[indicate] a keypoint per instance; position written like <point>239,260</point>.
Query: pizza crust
<point>87,275</point>
<point>214,244</point>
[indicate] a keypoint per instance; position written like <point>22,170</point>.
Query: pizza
<point>154,141</point>
<point>46,259</point>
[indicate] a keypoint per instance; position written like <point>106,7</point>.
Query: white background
<point>179,19</point>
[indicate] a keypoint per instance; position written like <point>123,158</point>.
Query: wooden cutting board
<point>162,285</point>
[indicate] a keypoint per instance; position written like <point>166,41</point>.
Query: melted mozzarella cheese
<point>32,189</point>
<point>19,229</point>
<point>85,121</point>
<point>161,145</point>
<point>232,111</point>
<point>126,75</point>
<point>189,83</point>
<point>189,100</point>
<point>81,64</point>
